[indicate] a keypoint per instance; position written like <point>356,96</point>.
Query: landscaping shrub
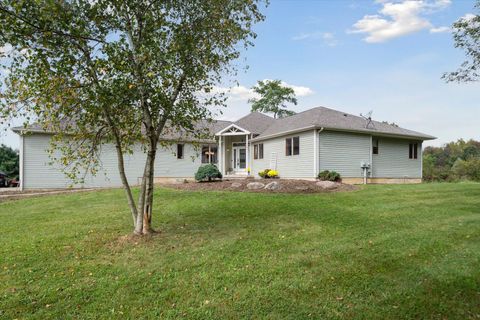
<point>208,172</point>
<point>268,174</point>
<point>272,174</point>
<point>264,173</point>
<point>327,175</point>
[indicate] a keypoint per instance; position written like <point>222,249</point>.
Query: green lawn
<point>409,251</point>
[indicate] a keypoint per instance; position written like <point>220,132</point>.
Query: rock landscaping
<point>255,185</point>
<point>266,186</point>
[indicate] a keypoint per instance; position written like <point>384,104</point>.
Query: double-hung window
<point>258,151</point>
<point>292,146</point>
<point>413,151</point>
<point>374,146</point>
<point>180,151</point>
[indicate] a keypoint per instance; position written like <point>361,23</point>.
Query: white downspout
<point>421,161</point>
<point>248,154</point>
<point>21,175</point>
<point>315,153</point>
<point>371,156</point>
<point>316,147</point>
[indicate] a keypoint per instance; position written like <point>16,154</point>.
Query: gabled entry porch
<point>234,151</point>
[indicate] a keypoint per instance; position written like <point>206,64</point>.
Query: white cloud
<point>242,93</point>
<point>397,19</point>
<point>300,91</point>
<point>327,37</point>
<point>468,16</point>
<point>440,30</point>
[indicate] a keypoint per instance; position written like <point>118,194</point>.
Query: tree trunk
<point>126,185</point>
<point>143,223</point>
<point>147,210</point>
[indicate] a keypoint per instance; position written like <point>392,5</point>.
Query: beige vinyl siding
<point>38,173</point>
<point>343,152</point>
<point>392,159</point>
<point>295,166</point>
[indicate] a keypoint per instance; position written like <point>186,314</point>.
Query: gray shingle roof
<point>322,117</point>
<point>265,126</point>
<point>255,122</point>
<point>211,127</point>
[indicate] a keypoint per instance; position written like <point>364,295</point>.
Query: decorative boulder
<point>236,185</point>
<point>255,185</point>
<point>302,188</point>
<point>273,185</point>
<point>327,185</point>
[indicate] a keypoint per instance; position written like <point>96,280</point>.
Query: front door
<point>239,157</point>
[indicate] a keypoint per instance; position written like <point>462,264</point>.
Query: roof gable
<point>255,122</point>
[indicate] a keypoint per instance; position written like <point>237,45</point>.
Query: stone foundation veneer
<point>382,180</point>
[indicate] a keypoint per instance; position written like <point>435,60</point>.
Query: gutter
<point>380,134</point>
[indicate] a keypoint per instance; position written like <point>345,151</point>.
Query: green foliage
<point>208,172</point>
<point>9,160</point>
<point>467,169</point>
<point>124,72</point>
<point>382,252</point>
<point>327,175</point>
<point>101,70</point>
<point>264,173</point>
<point>273,98</point>
<point>454,161</point>
<point>272,174</point>
<point>466,36</point>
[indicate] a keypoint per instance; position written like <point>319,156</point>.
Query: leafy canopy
<point>466,35</point>
<point>453,161</point>
<point>274,97</point>
<point>9,161</point>
<point>118,71</point>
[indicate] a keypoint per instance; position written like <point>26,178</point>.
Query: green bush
<point>208,172</point>
<point>329,176</point>
<point>467,169</point>
<point>264,173</point>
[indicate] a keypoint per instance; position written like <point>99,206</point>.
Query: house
<point>298,146</point>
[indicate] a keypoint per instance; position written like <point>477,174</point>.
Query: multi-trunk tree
<point>119,71</point>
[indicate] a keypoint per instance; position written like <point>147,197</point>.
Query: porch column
<point>247,151</point>
<point>220,155</point>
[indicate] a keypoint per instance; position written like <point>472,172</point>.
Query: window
<point>292,146</point>
<point>288,146</point>
<point>209,153</point>
<point>413,151</point>
<point>258,151</point>
<point>179,151</point>
<point>375,146</point>
<point>296,145</point>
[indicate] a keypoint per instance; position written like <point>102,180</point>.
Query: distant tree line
<point>9,161</point>
<point>454,161</point>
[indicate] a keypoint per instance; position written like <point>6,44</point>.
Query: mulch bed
<point>286,186</point>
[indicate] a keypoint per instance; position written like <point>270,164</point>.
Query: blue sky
<point>357,56</point>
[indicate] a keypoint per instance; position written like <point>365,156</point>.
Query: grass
<point>384,252</point>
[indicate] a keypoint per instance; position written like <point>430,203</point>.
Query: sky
<point>383,56</point>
